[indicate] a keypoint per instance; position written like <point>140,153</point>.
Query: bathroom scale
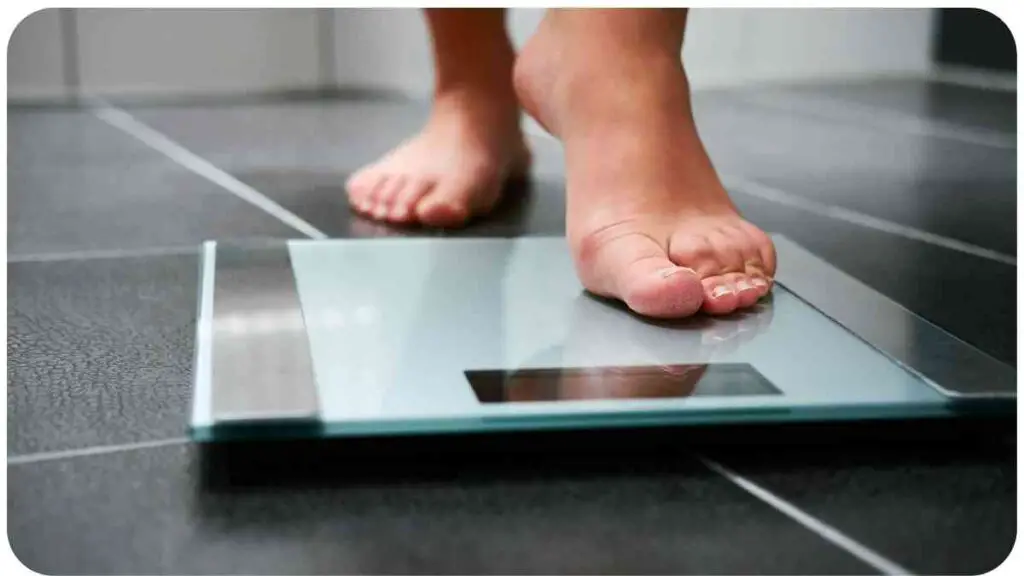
<point>375,337</point>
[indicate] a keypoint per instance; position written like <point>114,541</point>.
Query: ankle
<point>488,69</point>
<point>620,95</point>
<point>490,103</point>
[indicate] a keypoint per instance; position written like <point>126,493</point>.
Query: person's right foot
<point>454,169</point>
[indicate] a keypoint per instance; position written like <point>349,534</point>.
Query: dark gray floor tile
<point>52,208</point>
<point>68,138</point>
<point>938,508</point>
<point>971,297</point>
<point>150,511</point>
<point>961,191</point>
<point>332,136</point>
<point>320,136</point>
<point>970,107</point>
<point>76,183</point>
<point>99,351</point>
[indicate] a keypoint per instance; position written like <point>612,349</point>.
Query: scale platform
<point>376,337</point>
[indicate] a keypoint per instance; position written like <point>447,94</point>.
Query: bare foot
<point>453,170</point>
<point>648,220</point>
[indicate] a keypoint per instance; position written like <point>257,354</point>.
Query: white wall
<point>387,48</point>
<point>785,44</point>
<point>161,52</point>
<point>133,51</point>
<point>382,48</point>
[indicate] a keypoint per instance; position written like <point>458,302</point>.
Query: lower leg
<point>648,218</point>
<point>471,50</point>
<point>457,165</point>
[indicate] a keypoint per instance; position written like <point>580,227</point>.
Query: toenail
<point>380,212</point>
<point>720,291</point>
<point>744,285</point>
<point>759,282</point>
<point>400,212</point>
<point>666,272</point>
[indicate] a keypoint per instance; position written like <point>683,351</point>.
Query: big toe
<point>636,270</point>
<point>662,290</point>
<point>457,198</point>
<point>442,213</point>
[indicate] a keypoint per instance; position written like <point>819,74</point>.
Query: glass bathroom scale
<point>374,337</point>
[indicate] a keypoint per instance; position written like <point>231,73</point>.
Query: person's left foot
<point>454,169</point>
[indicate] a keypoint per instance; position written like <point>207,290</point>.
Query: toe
<point>660,289</point>
<point>764,246</point>
<point>694,251</point>
<point>441,213</point>
<point>747,293</point>
<point>761,284</point>
<point>358,184</point>
<point>448,205</point>
<point>634,268</point>
<point>368,201</point>
<point>731,260</point>
<point>361,186</point>
<point>404,205</point>
<point>754,270</point>
<point>731,250</point>
<point>456,198</point>
<point>760,257</point>
<point>720,295</point>
<point>386,195</point>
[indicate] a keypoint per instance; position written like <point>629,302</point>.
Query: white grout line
<point>860,551</point>
<point>92,451</point>
<point>878,118</point>
<point>101,254</point>
<point>758,190</point>
<point>154,139</point>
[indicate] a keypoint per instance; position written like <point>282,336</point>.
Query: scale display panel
<point>431,335</point>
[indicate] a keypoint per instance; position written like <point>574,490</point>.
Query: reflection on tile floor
<point>945,187</point>
<point>554,516</point>
<point>941,492</point>
<point>949,103</point>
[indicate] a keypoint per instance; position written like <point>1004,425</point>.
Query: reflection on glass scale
<point>416,335</point>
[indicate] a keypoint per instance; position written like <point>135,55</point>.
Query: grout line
<point>751,188</point>
<point>92,451</point>
<point>860,551</point>
<point>325,41</point>
<point>70,65</point>
<point>158,141</point>
<point>101,254</point>
<point>837,109</point>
